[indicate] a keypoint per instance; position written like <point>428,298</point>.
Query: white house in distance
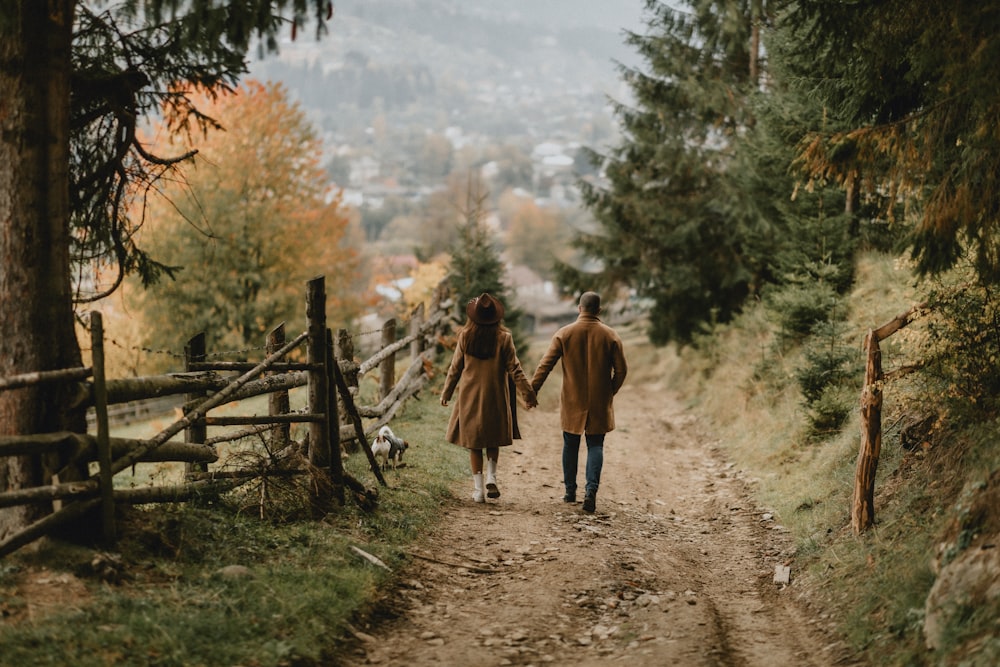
<point>554,177</point>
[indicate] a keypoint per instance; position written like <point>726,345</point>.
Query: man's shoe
<point>589,502</point>
<point>569,498</point>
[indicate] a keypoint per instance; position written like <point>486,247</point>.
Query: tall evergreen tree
<point>795,233</point>
<point>666,227</point>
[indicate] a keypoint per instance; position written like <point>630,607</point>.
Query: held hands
<point>531,401</point>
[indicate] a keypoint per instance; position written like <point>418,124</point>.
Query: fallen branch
<point>178,492</point>
<point>247,474</point>
<point>368,557</point>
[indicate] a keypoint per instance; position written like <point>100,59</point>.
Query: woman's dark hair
<point>482,339</point>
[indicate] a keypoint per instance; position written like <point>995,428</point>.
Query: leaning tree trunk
<point>36,322</point>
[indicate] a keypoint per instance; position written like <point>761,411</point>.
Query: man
<point>594,369</point>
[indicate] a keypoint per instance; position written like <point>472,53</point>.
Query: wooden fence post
<point>350,369</point>
<point>863,502</point>
<point>388,366</point>
<point>439,310</point>
<point>103,436</point>
<point>277,402</point>
<point>863,506</point>
<point>345,352</point>
<point>194,352</point>
<point>319,433</point>
<point>416,322</point>
<point>333,419</point>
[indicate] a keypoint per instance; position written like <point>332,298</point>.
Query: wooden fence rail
<point>329,373</point>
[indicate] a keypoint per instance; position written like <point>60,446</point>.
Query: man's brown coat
<point>593,368</point>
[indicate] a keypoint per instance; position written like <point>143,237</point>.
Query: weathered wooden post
<point>345,358</point>
<point>438,295</point>
<point>277,401</point>
<point>319,432</point>
<point>863,502</point>
<point>345,345</point>
<point>388,367</point>
<point>333,418</point>
<point>416,322</point>
<point>863,506</point>
<point>105,475</point>
<point>194,352</point>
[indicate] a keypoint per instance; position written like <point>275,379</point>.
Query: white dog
<point>388,448</point>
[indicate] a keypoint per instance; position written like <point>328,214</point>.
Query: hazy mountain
<point>501,68</point>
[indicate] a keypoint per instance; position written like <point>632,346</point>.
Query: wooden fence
<point>329,372</point>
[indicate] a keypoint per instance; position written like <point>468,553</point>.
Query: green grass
<point>175,607</point>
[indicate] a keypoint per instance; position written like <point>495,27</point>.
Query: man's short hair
<point>590,302</point>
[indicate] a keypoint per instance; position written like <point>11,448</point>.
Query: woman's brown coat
<point>482,415</point>
<point>594,369</point>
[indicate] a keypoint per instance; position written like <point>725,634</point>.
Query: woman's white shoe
<point>492,491</point>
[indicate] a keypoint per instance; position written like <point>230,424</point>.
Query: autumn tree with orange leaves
<point>252,219</point>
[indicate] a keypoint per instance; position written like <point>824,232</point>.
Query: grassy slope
<point>874,585</point>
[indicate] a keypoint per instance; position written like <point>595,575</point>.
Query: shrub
<point>962,345</point>
<point>832,408</point>
<point>828,377</point>
<point>799,307</point>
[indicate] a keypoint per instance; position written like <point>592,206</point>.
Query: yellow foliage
<point>426,277</point>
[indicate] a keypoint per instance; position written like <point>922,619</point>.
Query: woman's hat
<point>484,309</point>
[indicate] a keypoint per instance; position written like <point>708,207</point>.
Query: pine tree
<point>476,266</point>
<point>795,234</point>
<point>666,225</point>
<point>913,84</point>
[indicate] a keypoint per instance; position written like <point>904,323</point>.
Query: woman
<point>482,418</point>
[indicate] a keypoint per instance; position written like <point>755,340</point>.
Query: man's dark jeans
<point>571,458</point>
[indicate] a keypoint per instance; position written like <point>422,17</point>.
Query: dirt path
<point>676,567</point>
